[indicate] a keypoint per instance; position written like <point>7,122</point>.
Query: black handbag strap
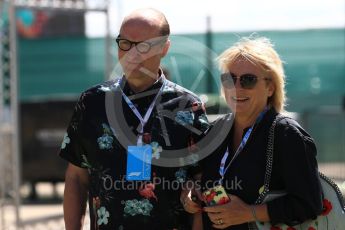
<point>269,164</point>
<point>268,172</point>
<point>269,158</point>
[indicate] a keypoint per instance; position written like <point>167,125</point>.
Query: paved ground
<point>36,217</point>
<point>47,215</point>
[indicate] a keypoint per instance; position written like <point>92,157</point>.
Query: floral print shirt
<point>97,140</point>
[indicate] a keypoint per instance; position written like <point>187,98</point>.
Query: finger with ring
<point>220,221</point>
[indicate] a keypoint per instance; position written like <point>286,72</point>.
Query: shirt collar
<point>267,117</point>
<point>155,86</point>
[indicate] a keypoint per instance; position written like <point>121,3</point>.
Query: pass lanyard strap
<point>143,120</point>
<point>222,168</point>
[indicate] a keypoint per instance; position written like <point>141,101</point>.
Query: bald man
<point>130,140</point>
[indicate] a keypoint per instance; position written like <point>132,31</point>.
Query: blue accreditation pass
<point>139,162</point>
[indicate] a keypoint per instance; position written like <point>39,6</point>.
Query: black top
<point>103,126</point>
<point>294,171</point>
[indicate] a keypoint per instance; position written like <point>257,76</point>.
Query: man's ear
<point>165,48</point>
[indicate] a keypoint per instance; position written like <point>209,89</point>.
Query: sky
<point>189,16</point>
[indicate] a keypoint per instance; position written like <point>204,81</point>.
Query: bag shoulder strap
<point>269,158</point>
<point>335,188</point>
<point>269,164</point>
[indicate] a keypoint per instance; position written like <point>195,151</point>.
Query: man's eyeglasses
<point>247,81</point>
<point>142,47</point>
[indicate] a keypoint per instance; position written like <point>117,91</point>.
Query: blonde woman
<point>253,84</point>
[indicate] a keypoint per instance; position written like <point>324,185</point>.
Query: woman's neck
<point>243,121</point>
<point>240,124</point>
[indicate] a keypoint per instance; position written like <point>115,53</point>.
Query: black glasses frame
<point>149,44</point>
<point>247,81</point>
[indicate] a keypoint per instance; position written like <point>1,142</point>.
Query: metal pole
<point>14,110</point>
<point>342,118</point>
<point>12,129</point>
<point>209,62</point>
<point>2,186</point>
<point>1,60</point>
<point>2,153</point>
<point>342,114</point>
<point>56,5</point>
<point>2,181</point>
<point>108,53</point>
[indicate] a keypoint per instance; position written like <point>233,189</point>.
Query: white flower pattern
<point>156,150</point>
<point>184,117</point>
<point>137,207</point>
<point>105,88</point>
<point>66,140</point>
<point>103,215</point>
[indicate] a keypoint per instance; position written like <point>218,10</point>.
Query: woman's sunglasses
<point>247,81</point>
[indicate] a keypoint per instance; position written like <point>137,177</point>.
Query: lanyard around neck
<point>143,120</point>
<point>222,168</point>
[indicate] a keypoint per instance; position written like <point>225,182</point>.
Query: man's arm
<point>75,196</point>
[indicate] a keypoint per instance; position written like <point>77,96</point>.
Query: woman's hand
<point>233,213</point>
<point>188,204</point>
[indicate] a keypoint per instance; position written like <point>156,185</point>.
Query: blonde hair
<point>259,51</point>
